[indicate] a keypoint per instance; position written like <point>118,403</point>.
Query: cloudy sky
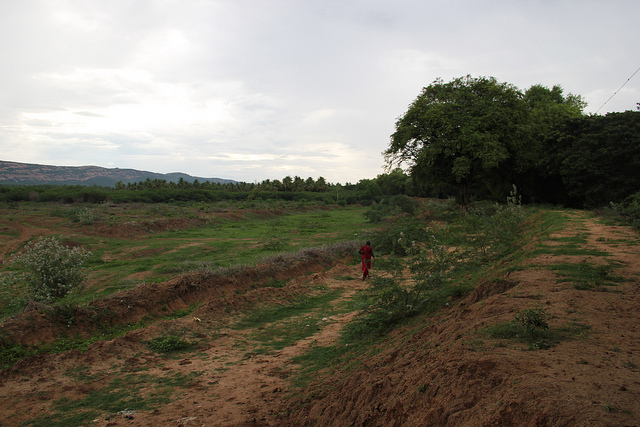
<point>261,89</point>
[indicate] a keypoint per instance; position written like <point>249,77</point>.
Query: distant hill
<point>13,173</point>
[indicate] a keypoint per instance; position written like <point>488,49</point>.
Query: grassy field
<point>135,244</point>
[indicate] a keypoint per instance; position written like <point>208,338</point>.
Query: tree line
<point>477,137</point>
<point>318,190</point>
<point>288,183</point>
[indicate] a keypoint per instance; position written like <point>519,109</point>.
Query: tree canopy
<point>477,134</point>
<point>599,158</point>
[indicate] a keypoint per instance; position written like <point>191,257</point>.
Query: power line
<point>614,93</point>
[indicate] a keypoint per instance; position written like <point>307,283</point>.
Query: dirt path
<point>240,386</point>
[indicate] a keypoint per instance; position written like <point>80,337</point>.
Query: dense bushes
<point>82,194</point>
<point>599,158</point>
<point>628,210</point>
<point>390,206</point>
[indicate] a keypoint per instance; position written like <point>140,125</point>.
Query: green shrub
<point>494,233</point>
<point>628,210</point>
<point>387,302</point>
<point>405,204</point>
<point>53,270</point>
<point>399,239</point>
<point>390,207</point>
<point>85,216</point>
<point>376,213</point>
<point>532,320</point>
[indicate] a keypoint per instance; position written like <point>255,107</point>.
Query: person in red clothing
<point>367,253</point>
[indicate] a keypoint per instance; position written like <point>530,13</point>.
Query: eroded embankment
<point>448,370</point>
<point>219,290</point>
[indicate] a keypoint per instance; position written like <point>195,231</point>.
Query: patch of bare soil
<point>15,234</point>
<point>442,372</point>
<point>135,229</point>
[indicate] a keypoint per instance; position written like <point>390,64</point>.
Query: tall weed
<point>424,261</point>
<point>391,206</point>
<point>494,234</point>
<point>628,210</point>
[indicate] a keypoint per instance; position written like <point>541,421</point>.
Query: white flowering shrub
<point>51,269</point>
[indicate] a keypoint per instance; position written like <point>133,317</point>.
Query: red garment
<point>367,254</point>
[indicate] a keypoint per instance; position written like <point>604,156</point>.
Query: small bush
<point>391,207</point>
<point>53,270</point>
<point>85,216</point>
<point>532,320</point>
<point>376,213</point>
<point>496,233</point>
<point>628,210</point>
<point>388,302</point>
<point>399,240</point>
<point>404,204</point>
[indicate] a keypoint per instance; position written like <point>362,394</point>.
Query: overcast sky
<point>261,89</point>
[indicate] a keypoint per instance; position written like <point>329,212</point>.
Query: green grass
<point>277,327</point>
<point>586,276</point>
<point>169,344</point>
<point>274,327</point>
<point>122,263</point>
<point>576,245</point>
<point>12,353</point>
<point>359,337</point>
<point>244,242</point>
<point>319,357</point>
<point>540,339</point>
<point>569,249</point>
<point>296,307</point>
<point>133,392</point>
<point>552,221</point>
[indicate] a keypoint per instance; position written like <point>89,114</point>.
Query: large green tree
<point>481,135</point>
<point>549,110</point>
<point>599,158</point>
<point>468,133</point>
<point>393,183</point>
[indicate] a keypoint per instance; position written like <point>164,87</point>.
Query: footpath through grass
<point>398,299</point>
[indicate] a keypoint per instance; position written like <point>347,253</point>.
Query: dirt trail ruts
<point>242,387</point>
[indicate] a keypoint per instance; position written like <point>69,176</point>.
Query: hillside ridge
<point>15,173</point>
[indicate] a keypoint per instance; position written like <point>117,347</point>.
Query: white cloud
<point>253,90</point>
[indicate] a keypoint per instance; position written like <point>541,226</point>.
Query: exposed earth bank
<point>441,370</point>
